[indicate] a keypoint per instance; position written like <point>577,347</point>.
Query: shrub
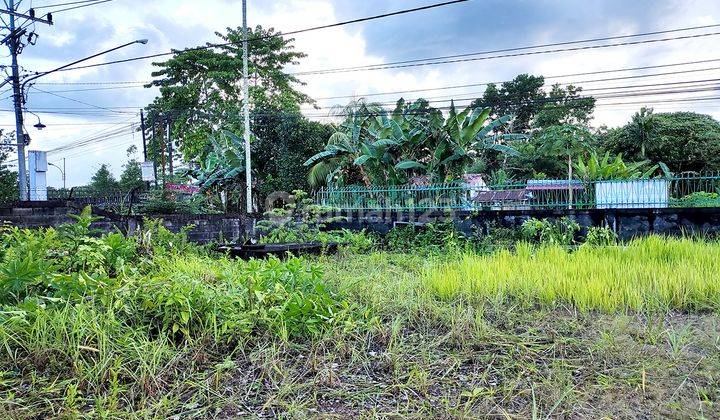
<point>561,231</point>
<point>600,236</point>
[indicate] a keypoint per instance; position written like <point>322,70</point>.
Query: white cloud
<point>180,23</point>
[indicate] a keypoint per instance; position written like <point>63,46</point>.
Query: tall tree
<point>103,181</point>
<point>8,178</point>
<point>684,141</point>
<point>201,89</point>
<point>533,107</point>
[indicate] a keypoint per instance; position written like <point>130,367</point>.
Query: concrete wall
<point>627,223</point>
<point>207,228</point>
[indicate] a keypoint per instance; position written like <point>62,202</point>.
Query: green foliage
<point>605,168</point>
<point>282,141</point>
<point>202,88</point>
<point>431,237</point>
<point>301,221</point>
<point>532,107</point>
<point>103,182</point>
<point>8,179</point>
<point>600,236</point>
<point>698,199</point>
<point>131,176</point>
<point>374,147</point>
<point>685,141</point>
<point>164,202</point>
<point>559,232</point>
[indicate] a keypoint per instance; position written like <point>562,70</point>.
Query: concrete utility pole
<point>246,112</point>
<point>170,147</point>
<point>17,101</point>
<point>142,130</point>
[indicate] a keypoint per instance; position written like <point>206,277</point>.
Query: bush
<point>698,199</point>
<point>600,236</point>
<point>561,231</point>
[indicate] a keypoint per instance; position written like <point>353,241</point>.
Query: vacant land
<point>152,326</point>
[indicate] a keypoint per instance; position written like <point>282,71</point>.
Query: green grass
<point>153,327</point>
<point>649,273</point>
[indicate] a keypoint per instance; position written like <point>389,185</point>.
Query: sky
<point>75,109</point>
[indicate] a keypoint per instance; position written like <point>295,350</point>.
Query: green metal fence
<point>687,190</point>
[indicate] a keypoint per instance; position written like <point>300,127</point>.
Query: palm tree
<point>569,140</point>
<point>641,128</point>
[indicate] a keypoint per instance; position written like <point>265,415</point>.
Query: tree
<point>564,106</point>
<point>103,181</point>
<point>282,142</point>
<point>521,97</point>
<point>381,148</point>
<point>566,139</point>
<point>455,143</point>
<point>684,141</point>
<point>201,89</point>
<point>640,128</point>
<point>8,178</point>
<point>532,107</point>
<point>131,176</point>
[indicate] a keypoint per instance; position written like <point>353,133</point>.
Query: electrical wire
<point>314,28</point>
<point>78,101</point>
<point>386,66</point>
<point>78,7</point>
<point>46,6</point>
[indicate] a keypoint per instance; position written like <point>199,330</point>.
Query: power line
<point>347,22</point>
<point>552,77</point>
<point>529,47</point>
<point>434,61</point>
<point>46,6</point>
<point>78,101</point>
<point>78,7</point>
<point>140,84</point>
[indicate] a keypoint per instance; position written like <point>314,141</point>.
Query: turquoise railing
<point>687,190</point>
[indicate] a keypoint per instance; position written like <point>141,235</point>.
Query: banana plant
<point>223,163</point>
<point>457,142</point>
<point>605,168</point>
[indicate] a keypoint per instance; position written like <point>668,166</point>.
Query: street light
<point>20,101</point>
<point>138,41</point>
<point>62,171</point>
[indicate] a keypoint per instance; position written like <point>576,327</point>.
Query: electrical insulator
<point>32,13</point>
<point>49,17</point>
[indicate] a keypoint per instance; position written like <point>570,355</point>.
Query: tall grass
<point>646,274</point>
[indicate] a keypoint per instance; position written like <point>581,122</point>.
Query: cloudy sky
<point>75,109</point>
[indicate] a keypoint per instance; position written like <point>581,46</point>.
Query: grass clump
<point>648,273</point>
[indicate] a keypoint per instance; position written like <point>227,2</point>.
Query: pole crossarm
<point>47,21</point>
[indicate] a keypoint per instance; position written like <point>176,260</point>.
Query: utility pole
<point>17,101</point>
<point>63,174</point>
<point>155,151</point>
<point>246,112</point>
<point>170,147</point>
<point>142,130</point>
<point>14,43</point>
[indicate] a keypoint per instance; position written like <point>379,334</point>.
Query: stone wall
<point>206,228</point>
<point>627,223</point>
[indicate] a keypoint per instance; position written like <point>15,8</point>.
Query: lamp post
<point>62,171</point>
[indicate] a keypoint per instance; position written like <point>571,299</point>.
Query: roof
<point>554,184</point>
<point>501,195</point>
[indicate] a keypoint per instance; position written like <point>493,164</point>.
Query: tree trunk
<point>570,190</point>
